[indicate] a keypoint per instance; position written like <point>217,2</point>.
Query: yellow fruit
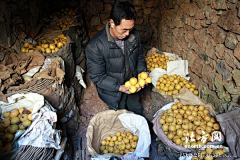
<point>143,75</point>
<point>15,120</point>
<point>13,128</point>
<point>26,123</point>
<point>149,80</point>
<point>21,126</point>
<point>21,109</point>
<point>14,113</point>
<point>127,84</point>
<point>23,117</point>
<point>48,50</point>
<point>133,81</point>
<point>137,85</point>
<point>109,138</point>
<point>31,110</point>
<point>5,123</point>
<point>30,117</point>
<point>141,82</point>
<point>132,89</point>
<point>135,137</point>
<point>26,44</point>
<point>52,46</point>
<point>195,92</point>
<point>6,114</point>
<point>59,44</point>
<point>8,137</point>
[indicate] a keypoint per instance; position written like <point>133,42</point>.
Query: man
<point>114,55</point>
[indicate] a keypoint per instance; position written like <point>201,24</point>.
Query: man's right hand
<point>124,89</point>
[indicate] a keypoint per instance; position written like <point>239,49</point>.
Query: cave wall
<point>97,14</point>
<point>18,19</point>
<point>207,34</point>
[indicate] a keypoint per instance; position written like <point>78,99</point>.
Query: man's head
<point>123,16</point>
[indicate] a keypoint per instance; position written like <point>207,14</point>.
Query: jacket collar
<point>130,38</point>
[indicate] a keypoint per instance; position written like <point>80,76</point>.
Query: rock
<point>220,48</point>
<point>207,11</point>
<point>217,33</point>
<point>199,14</point>
<point>195,64</point>
<point>235,98</point>
<point>236,77</point>
<point>138,2</point>
<point>104,16</point>
<point>220,89</point>
<point>107,8</point>
<point>196,24</point>
<point>231,88</point>
<point>237,52</point>
<point>151,4</point>
<point>147,11</point>
<point>210,51</point>
<point>219,4</point>
<point>94,7</point>
<point>238,14</point>
<point>231,41</point>
<point>230,59</point>
<point>229,21</point>
<point>7,38</point>
<point>223,70</point>
<point>201,37</point>
<point>208,76</point>
<point>95,21</point>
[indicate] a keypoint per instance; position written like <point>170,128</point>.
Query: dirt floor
<point>91,104</point>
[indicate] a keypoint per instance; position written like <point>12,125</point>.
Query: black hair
<point>122,10</point>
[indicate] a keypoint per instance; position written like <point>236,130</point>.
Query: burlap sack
<point>65,52</point>
<point>53,92</point>
<point>186,97</point>
<point>230,124</point>
<point>69,115</point>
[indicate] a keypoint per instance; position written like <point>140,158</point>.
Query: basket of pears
<point>14,120</point>
<point>187,127</point>
<point>120,143</point>
<point>135,83</point>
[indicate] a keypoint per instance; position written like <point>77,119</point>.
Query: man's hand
<point>124,89</point>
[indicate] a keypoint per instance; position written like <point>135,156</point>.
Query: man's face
<point>121,31</point>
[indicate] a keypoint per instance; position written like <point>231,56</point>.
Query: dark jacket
<point>106,64</point>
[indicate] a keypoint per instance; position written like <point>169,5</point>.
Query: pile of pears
<point>45,46</point>
<point>120,143</point>
<point>16,119</point>
<point>172,84</point>
<point>188,125</point>
<point>135,83</point>
<point>157,61</point>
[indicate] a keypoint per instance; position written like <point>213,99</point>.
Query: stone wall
<point>207,34</point>
<point>97,15</point>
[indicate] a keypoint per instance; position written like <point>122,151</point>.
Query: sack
<point>109,122</point>
<point>229,123</point>
<point>53,92</point>
<point>69,114</point>
<point>186,97</point>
